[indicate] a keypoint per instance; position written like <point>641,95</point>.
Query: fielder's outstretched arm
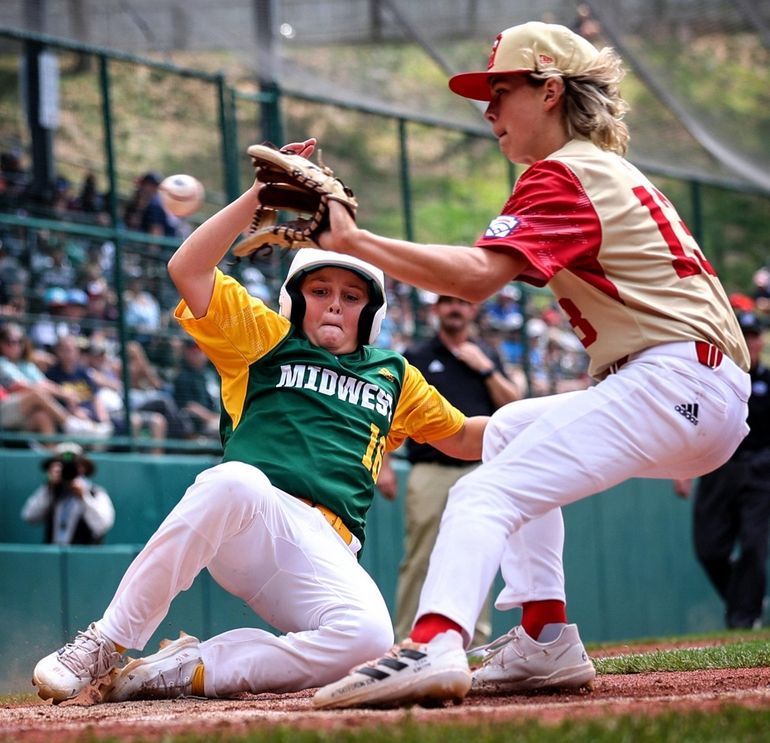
<point>473,274</point>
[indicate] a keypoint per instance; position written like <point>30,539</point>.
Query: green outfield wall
<point>628,558</point>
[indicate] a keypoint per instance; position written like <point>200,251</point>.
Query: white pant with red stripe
<point>662,415</point>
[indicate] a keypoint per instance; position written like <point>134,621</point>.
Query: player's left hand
<point>303,149</point>
<point>682,487</point>
<point>387,481</point>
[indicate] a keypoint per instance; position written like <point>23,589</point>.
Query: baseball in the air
<point>181,194</point>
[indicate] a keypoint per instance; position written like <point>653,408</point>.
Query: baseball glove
<point>292,184</point>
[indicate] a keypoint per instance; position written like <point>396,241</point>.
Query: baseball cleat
<point>168,674</point>
<point>516,662</point>
<point>65,673</point>
<point>412,673</point>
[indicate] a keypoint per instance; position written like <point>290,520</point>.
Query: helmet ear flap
<point>291,303</point>
<point>370,322</point>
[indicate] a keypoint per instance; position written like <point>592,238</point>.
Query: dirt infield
<point>647,694</point>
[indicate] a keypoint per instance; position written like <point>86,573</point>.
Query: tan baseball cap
<point>529,47</point>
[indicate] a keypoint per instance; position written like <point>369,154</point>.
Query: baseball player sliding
<point>663,342</point>
<point>309,407</point>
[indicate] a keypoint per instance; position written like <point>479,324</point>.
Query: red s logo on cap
<point>494,51</point>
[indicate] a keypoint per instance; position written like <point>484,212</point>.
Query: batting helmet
<point>292,304</point>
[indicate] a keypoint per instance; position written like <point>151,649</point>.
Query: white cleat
<point>167,674</point>
<point>64,674</point>
<point>516,662</point>
<point>412,673</point>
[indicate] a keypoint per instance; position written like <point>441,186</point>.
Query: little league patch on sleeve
<point>502,226</point>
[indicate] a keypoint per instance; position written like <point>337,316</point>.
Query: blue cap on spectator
<point>749,323</point>
<point>55,295</point>
<point>77,296</point>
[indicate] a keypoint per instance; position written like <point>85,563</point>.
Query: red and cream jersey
<point>619,259</point>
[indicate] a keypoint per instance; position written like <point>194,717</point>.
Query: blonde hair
<point>593,106</point>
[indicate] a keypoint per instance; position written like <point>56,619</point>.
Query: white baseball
<point>181,194</point>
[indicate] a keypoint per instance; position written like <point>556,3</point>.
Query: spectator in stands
<point>72,508</point>
<point>741,302</point>
<point>53,266</point>
<point>29,401</point>
<point>102,364</point>
<point>105,369</point>
<point>14,288</point>
<point>503,309</point>
<point>146,383</point>
<point>761,281</point>
<point>10,264</point>
<point>71,374</point>
<point>75,311</point>
<point>585,24</point>
<point>89,199</point>
<point>149,393</point>
<point>196,390</point>
<point>62,198</point>
<point>102,309</point>
<point>61,317</point>
<point>512,343</point>
<point>144,211</point>
<point>14,179</point>
<point>143,313</point>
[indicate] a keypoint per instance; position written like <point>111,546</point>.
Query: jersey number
<point>684,265</point>
<point>372,458</point>
<point>587,334</point>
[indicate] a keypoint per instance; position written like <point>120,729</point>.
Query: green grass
<point>747,654</point>
<point>731,725</point>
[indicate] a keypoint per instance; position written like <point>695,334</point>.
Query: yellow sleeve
<point>237,328</point>
<point>422,413</point>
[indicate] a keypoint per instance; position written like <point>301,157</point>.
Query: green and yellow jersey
<point>316,424</point>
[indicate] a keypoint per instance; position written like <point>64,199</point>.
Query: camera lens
<point>69,469</point>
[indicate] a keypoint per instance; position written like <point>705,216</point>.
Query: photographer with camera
<point>73,509</point>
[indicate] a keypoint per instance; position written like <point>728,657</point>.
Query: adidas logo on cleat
<point>690,411</point>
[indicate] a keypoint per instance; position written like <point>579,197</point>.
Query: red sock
<point>430,625</point>
<point>536,614</point>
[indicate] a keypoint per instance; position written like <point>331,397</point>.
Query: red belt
<point>708,355</point>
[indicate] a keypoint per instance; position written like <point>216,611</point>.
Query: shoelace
<point>491,650</point>
<point>88,655</point>
<point>175,686</point>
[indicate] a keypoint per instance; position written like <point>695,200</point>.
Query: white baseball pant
<point>543,453</point>
<point>283,559</point>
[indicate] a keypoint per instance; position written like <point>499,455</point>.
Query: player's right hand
<point>341,237</point>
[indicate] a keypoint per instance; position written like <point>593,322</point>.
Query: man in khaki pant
<point>470,375</point>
